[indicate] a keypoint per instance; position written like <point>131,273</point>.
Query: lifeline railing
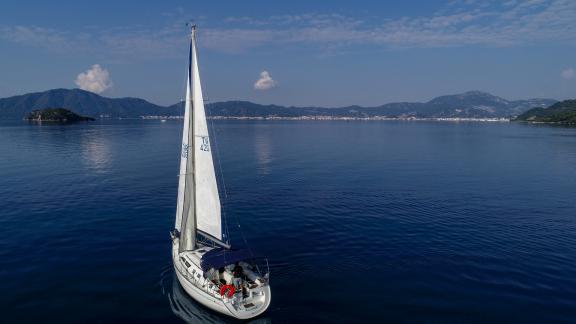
<point>205,285</point>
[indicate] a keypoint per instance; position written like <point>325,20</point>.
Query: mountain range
<point>472,104</point>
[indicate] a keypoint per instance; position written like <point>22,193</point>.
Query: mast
<point>192,73</point>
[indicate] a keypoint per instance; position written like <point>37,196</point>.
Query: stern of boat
<point>253,305</point>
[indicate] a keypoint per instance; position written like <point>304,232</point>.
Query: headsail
<point>198,207</point>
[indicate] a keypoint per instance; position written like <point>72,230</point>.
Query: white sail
<point>208,214</point>
<point>184,156</point>
<point>198,207</point>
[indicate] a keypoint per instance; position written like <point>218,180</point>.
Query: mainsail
<point>198,208</point>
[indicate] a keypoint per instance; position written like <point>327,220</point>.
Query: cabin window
<point>187,264</point>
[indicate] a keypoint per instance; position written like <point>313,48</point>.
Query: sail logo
<point>185,150</point>
<point>205,146</point>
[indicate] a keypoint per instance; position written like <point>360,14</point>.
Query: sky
<point>302,53</point>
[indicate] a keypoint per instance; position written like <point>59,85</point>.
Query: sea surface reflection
<point>360,221</point>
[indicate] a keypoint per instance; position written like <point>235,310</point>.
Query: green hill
<point>563,112</point>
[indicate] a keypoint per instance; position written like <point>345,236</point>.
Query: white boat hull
<point>203,291</point>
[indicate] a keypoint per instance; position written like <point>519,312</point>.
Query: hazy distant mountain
<point>563,112</point>
<point>473,104</point>
<point>481,104</point>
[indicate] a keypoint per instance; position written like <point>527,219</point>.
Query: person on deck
<point>238,273</point>
<point>221,276</point>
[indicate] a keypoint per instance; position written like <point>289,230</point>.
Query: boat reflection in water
<point>189,310</point>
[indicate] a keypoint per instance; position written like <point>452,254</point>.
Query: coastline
<point>330,118</point>
<point>545,123</point>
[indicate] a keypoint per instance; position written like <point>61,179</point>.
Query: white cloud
<point>471,23</point>
<point>39,37</point>
<point>568,73</point>
<point>459,23</point>
<point>95,79</point>
<point>265,82</point>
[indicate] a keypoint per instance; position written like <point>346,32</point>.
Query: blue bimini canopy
<point>220,257</point>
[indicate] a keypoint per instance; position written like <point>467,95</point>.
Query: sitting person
<point>211,275</point>
<point>221,276</point>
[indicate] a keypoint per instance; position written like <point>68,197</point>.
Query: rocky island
<point>55,115</point>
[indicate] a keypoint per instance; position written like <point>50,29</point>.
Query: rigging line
<point>225,191</point>
<point>218,156</point>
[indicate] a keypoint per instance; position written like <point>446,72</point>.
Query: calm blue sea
<point>433,222</point>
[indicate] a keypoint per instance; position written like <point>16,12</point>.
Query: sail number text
<point>185,150</point>
<point>205,146</point>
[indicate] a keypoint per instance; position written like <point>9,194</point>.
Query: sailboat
<point>228,280</point>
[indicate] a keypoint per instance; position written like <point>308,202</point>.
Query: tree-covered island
<point>55,115</point>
